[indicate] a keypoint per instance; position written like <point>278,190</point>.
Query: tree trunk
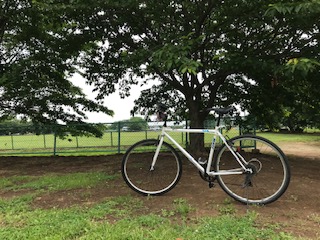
<point>196,146</point>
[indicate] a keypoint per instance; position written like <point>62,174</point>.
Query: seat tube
<point>212,148</point>
<point>156,154</point>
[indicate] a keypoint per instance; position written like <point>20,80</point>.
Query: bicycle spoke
<point>270,172</point>
<point>136,168</point>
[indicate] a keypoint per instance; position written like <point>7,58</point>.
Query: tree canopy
<point>204,53</point>
<point>195,54</point>
<point>297,98</point>
<point>39,50</point>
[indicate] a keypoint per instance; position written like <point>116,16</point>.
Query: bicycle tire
<point>136,168</point>
<point>271,171</point>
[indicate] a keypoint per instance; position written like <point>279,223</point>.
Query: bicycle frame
<point>164,133</point>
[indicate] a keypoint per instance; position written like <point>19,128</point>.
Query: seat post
<point>218,122</point>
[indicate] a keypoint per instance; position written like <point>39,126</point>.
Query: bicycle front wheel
<point>136,170</point>
<point>270,173</point>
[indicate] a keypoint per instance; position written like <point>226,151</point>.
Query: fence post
<point>44,141</point>
<point>187,134</point>
<point>119,138</point>
<point>11,141</point>
<point>54,141</point>
<point>111,138</point>
<point>77,141</point>
<point>182,141</point>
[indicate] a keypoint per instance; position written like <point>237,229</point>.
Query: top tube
<point>193,130</point>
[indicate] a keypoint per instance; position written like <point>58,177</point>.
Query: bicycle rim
<point>271,173</point>
<point>136,168</point>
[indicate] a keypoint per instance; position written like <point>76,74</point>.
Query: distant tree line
<point>16,126</point>
<point>132,124</point>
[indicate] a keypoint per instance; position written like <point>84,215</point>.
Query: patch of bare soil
<point>301,149</point>
<point>296,212</point>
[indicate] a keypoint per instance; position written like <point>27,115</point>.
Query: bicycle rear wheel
<point>136,165</point>
<point>270,175</point>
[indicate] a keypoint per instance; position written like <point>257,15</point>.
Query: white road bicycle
<point>249,168</point>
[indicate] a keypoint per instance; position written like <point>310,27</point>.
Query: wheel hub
<point>253,167</point>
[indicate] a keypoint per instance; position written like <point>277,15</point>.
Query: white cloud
<point>121,107</point>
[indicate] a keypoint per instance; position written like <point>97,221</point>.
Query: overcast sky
<point>121,107</point>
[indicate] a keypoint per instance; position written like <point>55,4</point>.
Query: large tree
<point>195,54</point>
<point>39,48</point>
<point>296,104</point>
<point>198,53</point>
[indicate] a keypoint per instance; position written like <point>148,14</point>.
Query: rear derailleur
<point>254,166</point>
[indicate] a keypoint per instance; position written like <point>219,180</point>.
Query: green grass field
<point>44,144</point>
<point>111,142</point>
<point>286,137</point>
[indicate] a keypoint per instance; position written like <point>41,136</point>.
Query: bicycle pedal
<point>211,184</point>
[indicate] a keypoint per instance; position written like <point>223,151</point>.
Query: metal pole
<point>119,125</point>
<point>44,141</point>
<point>54,142</point>
<point>187,134</point>
<point>12,141</point>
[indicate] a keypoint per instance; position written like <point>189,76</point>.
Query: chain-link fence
<point>116,138</point>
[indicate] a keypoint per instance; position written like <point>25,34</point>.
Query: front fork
<point>156,154</point>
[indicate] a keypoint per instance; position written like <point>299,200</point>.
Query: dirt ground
<point>296,212</point>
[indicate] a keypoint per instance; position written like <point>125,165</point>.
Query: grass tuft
<point>53,182</point>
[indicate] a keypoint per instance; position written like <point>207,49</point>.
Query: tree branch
<point>172,80</point>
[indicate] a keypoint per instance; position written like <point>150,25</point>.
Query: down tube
<point>185,153</point>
